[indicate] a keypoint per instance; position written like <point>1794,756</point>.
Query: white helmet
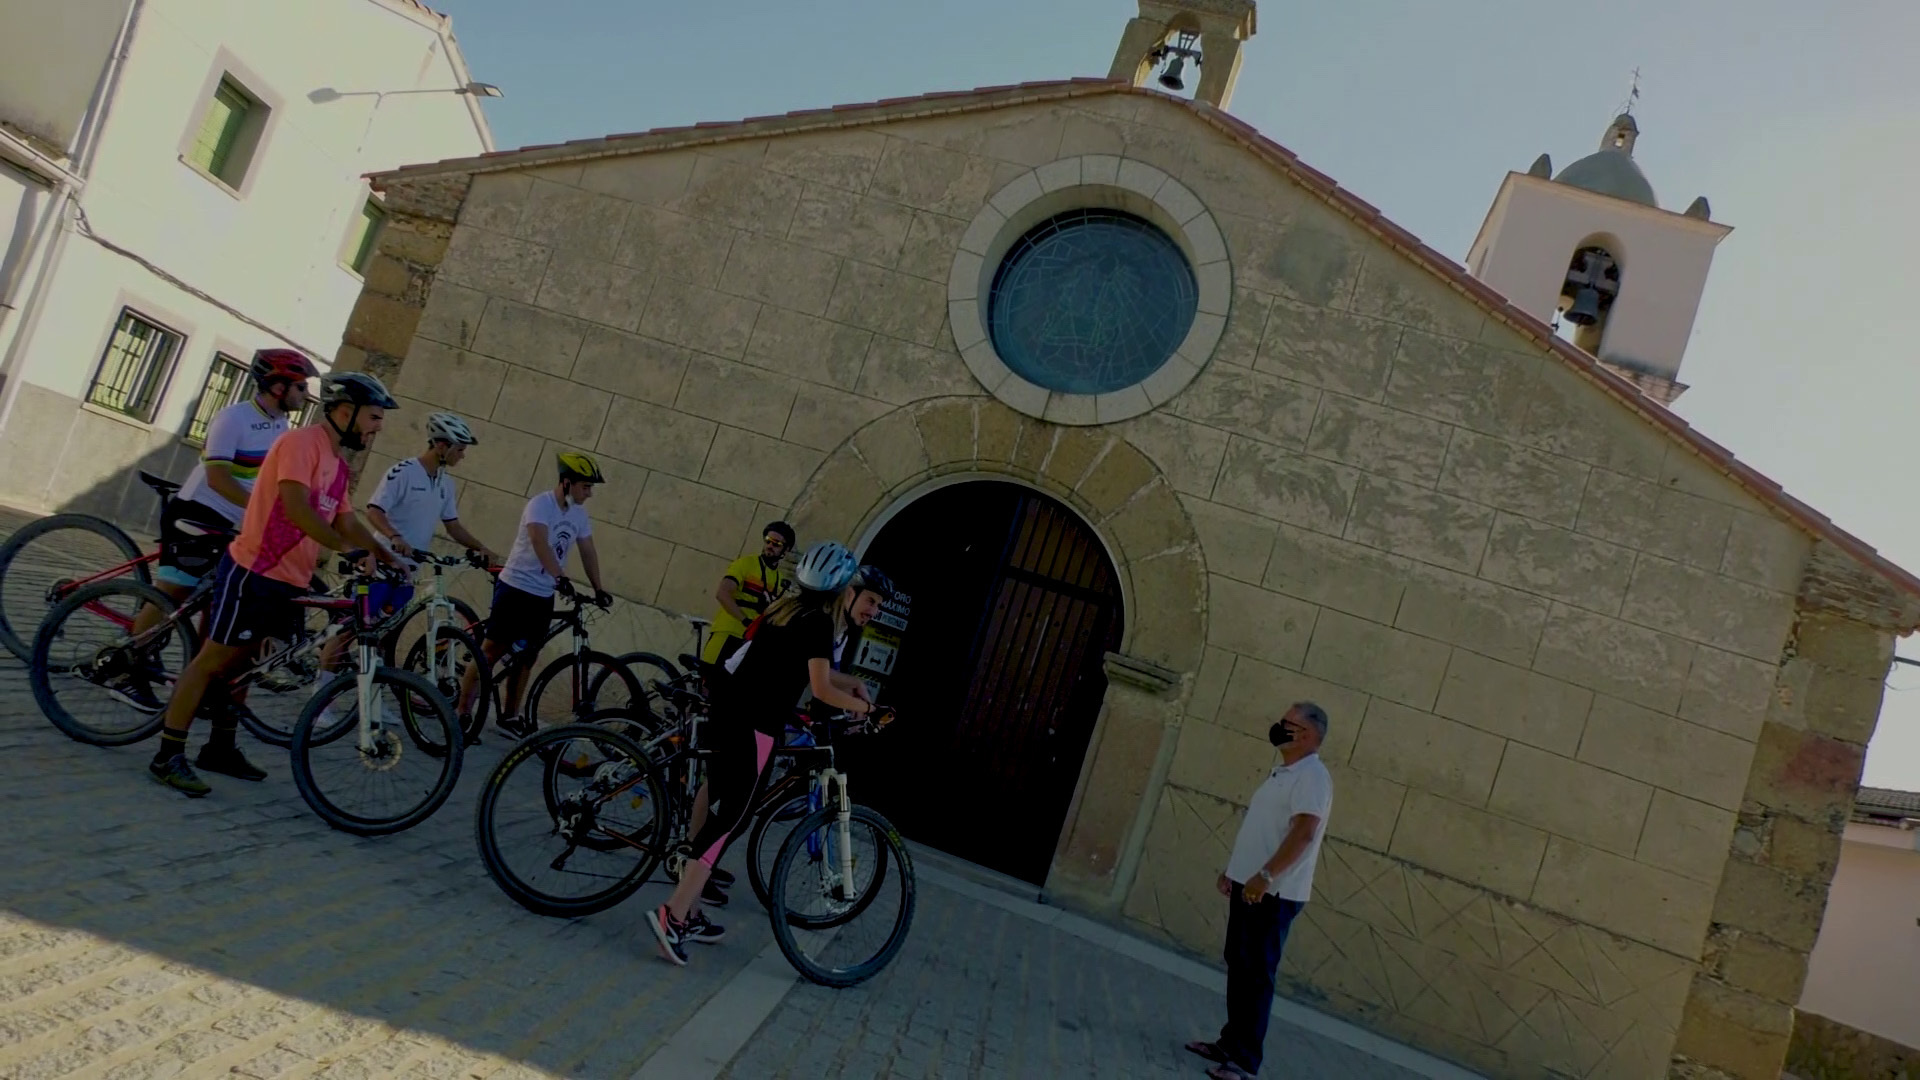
<point>450,428</point>
<point>826,567</point>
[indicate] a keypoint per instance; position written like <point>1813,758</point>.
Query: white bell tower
<point>1591,251</point>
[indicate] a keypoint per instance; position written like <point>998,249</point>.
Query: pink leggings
<point>736,775</point>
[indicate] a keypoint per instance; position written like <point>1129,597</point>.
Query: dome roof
<point>1611,170</point>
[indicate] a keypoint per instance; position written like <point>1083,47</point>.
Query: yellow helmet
<point>577,466</point>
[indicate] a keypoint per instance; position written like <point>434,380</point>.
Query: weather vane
<point>1633,92</point>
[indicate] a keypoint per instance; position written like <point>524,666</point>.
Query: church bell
<point>1592,282</point>
<point>1585,310</point>
<point>1171,77</point>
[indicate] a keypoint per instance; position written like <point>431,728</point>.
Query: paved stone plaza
<point>143,935</point>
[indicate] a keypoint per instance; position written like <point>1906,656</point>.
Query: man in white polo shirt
<point>1268,879</point>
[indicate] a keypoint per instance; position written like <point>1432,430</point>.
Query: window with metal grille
<point>134,372</point>
<point>365,234</point>
<point>227,383</point>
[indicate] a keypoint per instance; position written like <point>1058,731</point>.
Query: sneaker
<point>178,775</point>
<point>713,894</point>
<point>699,929</point>
<point>133,691</point>
<point>721,878</point>
<point>664,928</point>
<point>229,761</point>
<point>338,711</point>
<point>517,726</point>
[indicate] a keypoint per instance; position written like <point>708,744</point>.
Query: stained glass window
<point>1091,301</point>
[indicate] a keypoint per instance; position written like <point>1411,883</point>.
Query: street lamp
<point>327,94</point>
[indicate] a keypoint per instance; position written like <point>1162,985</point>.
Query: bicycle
<point>689,675</point>
<point>107,655</point>
<point>377,748</point>
<point>587,671</point>
<point>47,560</point>
<point>625,821</point>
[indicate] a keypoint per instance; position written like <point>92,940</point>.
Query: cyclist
<point>749,585</point>
<point>269,564</point>
<point>195,523</point>
<point>872,588</point>
<point>535,569</point>
<point>417,493</point>
<point>792,650</point>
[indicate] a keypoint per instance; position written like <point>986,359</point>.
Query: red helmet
<point>289,364</point>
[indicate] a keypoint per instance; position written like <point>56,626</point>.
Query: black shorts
<point>518,619</point>
<point>192,537</point>
<point>250,607</point>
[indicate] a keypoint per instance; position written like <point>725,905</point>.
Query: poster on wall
<point>878,649</point>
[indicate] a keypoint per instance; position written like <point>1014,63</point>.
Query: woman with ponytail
<point>792,649</point>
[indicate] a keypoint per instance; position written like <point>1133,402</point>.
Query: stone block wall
<point>1549,638</point>
<point>1826,1049</point>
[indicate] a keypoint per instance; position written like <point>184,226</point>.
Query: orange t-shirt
<point>269,542</point>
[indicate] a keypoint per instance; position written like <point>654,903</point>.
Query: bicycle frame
<point>60,590</point>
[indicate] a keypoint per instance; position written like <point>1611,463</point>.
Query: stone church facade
<point>1599,694</point>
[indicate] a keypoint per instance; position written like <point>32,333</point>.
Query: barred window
<point>134,372</point>
<point>227,383</point>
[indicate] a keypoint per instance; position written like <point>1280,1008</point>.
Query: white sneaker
<point>338,711</point>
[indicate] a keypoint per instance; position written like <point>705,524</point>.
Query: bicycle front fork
<point>369,706</point>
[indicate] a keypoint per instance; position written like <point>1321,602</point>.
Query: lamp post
<point>327,94</point>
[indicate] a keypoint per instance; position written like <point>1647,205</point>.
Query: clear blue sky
<point>1800,122</point>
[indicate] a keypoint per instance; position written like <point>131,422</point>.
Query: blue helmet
<point>826,567</point>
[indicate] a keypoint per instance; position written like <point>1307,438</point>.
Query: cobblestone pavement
<point>143,935</point>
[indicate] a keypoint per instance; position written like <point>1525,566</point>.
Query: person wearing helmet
<point>749,585</point>
<point>416,495</point>
<point>303,508</point>
<point>791,650</point>
<point>197,522</point>
<point>552,524</point>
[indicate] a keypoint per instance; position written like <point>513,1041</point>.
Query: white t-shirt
<point>414,502</point>
<point>1304,787</point>
<point>522,570</point>
<point>238,436</point>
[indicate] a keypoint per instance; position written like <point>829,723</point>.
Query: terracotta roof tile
<point>1288,162</point>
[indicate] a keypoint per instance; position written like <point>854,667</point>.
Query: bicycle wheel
<point>454,650</point>
<point>277,695</point>
<point>592,831</point>
<point>381,756</point>
<point>833,935</point>
<point>39,560</point>
<point>770,832</point>
<point>87,672</point>
<point>551,698</point>
<point>650,669</point>
<point>411,627</point>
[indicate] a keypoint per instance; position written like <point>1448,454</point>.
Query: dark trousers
<point>1255,935</point>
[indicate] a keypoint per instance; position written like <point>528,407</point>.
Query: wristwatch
<point>1265,875</point>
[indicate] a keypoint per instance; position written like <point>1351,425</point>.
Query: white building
<point>181,184</point>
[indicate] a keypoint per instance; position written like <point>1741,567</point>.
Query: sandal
<point>1205,1049</point>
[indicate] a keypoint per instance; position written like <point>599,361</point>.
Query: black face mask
<point>1279,734</point>
<point>350,437</point>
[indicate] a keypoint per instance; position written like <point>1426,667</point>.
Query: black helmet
<point>784,529</point>
<point>357,387</point>
<point>871,578</point>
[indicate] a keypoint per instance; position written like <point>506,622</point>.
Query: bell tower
<point>1592,252</point>
<point>1172,37</point>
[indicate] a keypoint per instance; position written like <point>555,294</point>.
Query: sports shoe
<point>229,761</point>
<point>665,930</point>
<point>712,894</point>
<point>698,929</point>
<point>134,691</point>
<point>178,775</point>
<point>721,878</point>
<point>338,711</point>
<point>517,726</point>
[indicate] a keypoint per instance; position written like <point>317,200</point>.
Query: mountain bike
<point>369,723</point>
<point>46,560</point>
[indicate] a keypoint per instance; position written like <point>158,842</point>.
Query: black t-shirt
<point>767,685</point>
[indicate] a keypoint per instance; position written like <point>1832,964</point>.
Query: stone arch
<point>1123,497</point>
<point>1105,479</point>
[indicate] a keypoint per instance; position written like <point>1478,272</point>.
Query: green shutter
<point>371,216</point>
<point>220,129</point>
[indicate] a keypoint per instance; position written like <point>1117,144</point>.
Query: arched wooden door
<point>999,677</point>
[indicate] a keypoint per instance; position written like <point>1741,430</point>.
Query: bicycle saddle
<point>690,662</point>
<point>160,485</point>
